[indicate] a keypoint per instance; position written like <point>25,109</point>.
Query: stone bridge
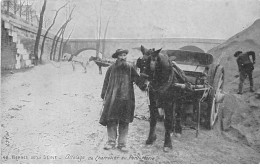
<point>108,46</point>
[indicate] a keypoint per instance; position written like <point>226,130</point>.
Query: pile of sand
<point>241,114</point>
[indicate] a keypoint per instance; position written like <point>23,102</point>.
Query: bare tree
<point>37,41</point>
<point>46,33</point>
<point>55,40</point>
<point>99,31</point>
<point>104,39</point>
<point>63,44</point>
<point>67,40</point>
<point>106,29</point>
<point>53,43</point>
<point>58,34</point>
<point>61,40</point>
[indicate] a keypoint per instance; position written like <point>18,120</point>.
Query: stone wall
<point>8,49</point>
<point>17,42</point>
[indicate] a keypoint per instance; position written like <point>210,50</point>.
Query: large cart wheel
<point>215,97</point>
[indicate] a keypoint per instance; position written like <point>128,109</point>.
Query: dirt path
<point>50,115</point>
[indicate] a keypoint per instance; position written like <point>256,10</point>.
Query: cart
<point>206,78</point>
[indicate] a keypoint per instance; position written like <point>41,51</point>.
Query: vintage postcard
<point>130,82</point>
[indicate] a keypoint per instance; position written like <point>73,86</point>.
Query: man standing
<point>119,100</point>
<point>245,68</point>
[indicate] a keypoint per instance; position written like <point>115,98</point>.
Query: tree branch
<point>46,33</point>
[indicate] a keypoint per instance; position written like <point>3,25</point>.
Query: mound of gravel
<point>241,113</point>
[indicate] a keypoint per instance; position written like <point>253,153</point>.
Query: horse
<point>83,61</point>
<point>154,112</point>
<point>163,76</point>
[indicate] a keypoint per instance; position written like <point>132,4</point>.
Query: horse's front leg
<point>100,70</point>
<point>84,65</point>
<point>177,126</point>
<point>168,122</point>
<point>153,121</point>
<point>153,118</point>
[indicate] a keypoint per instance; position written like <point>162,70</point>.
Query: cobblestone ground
<point>50,115</point>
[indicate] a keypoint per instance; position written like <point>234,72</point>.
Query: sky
<point>210,19</point>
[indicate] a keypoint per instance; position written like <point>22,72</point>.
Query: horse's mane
<point>164,61</point>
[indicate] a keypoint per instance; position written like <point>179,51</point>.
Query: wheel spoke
<point>221,81</point>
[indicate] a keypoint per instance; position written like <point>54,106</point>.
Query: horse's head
<point>154,59</point>
<point>146,52</point>
<point>141,62</point>
<point>92,58</point>
<point>158,66</point>
<point>71,56</point>
<point>66,56</point>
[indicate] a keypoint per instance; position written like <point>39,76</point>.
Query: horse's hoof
<point>167,149</point>
<point>150,140</point>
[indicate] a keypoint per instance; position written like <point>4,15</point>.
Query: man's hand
<point>145,86</point>
<point>189,86</point>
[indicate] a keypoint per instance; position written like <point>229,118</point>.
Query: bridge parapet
<point>76,45</point>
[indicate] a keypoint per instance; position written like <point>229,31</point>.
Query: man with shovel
<point>245,68</point>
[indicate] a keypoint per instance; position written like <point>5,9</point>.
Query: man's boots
<point>240,87</point>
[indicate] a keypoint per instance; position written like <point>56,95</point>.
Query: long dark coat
<point>118,93</point>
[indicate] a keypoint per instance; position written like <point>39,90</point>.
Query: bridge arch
<point>88,52</point>
<point>85,52</point>
<point>192,48</point>
<point>84,49</point>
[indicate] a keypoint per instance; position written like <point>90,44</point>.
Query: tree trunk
<point>59,37</point>
<point>67,40</point>
<point>99,33</point>
<point>105,34</point>
<point>61,42</point>
<point>37,41</point>
<point>55,44</point>
<point>46,33</point>
<point>54,40</point>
